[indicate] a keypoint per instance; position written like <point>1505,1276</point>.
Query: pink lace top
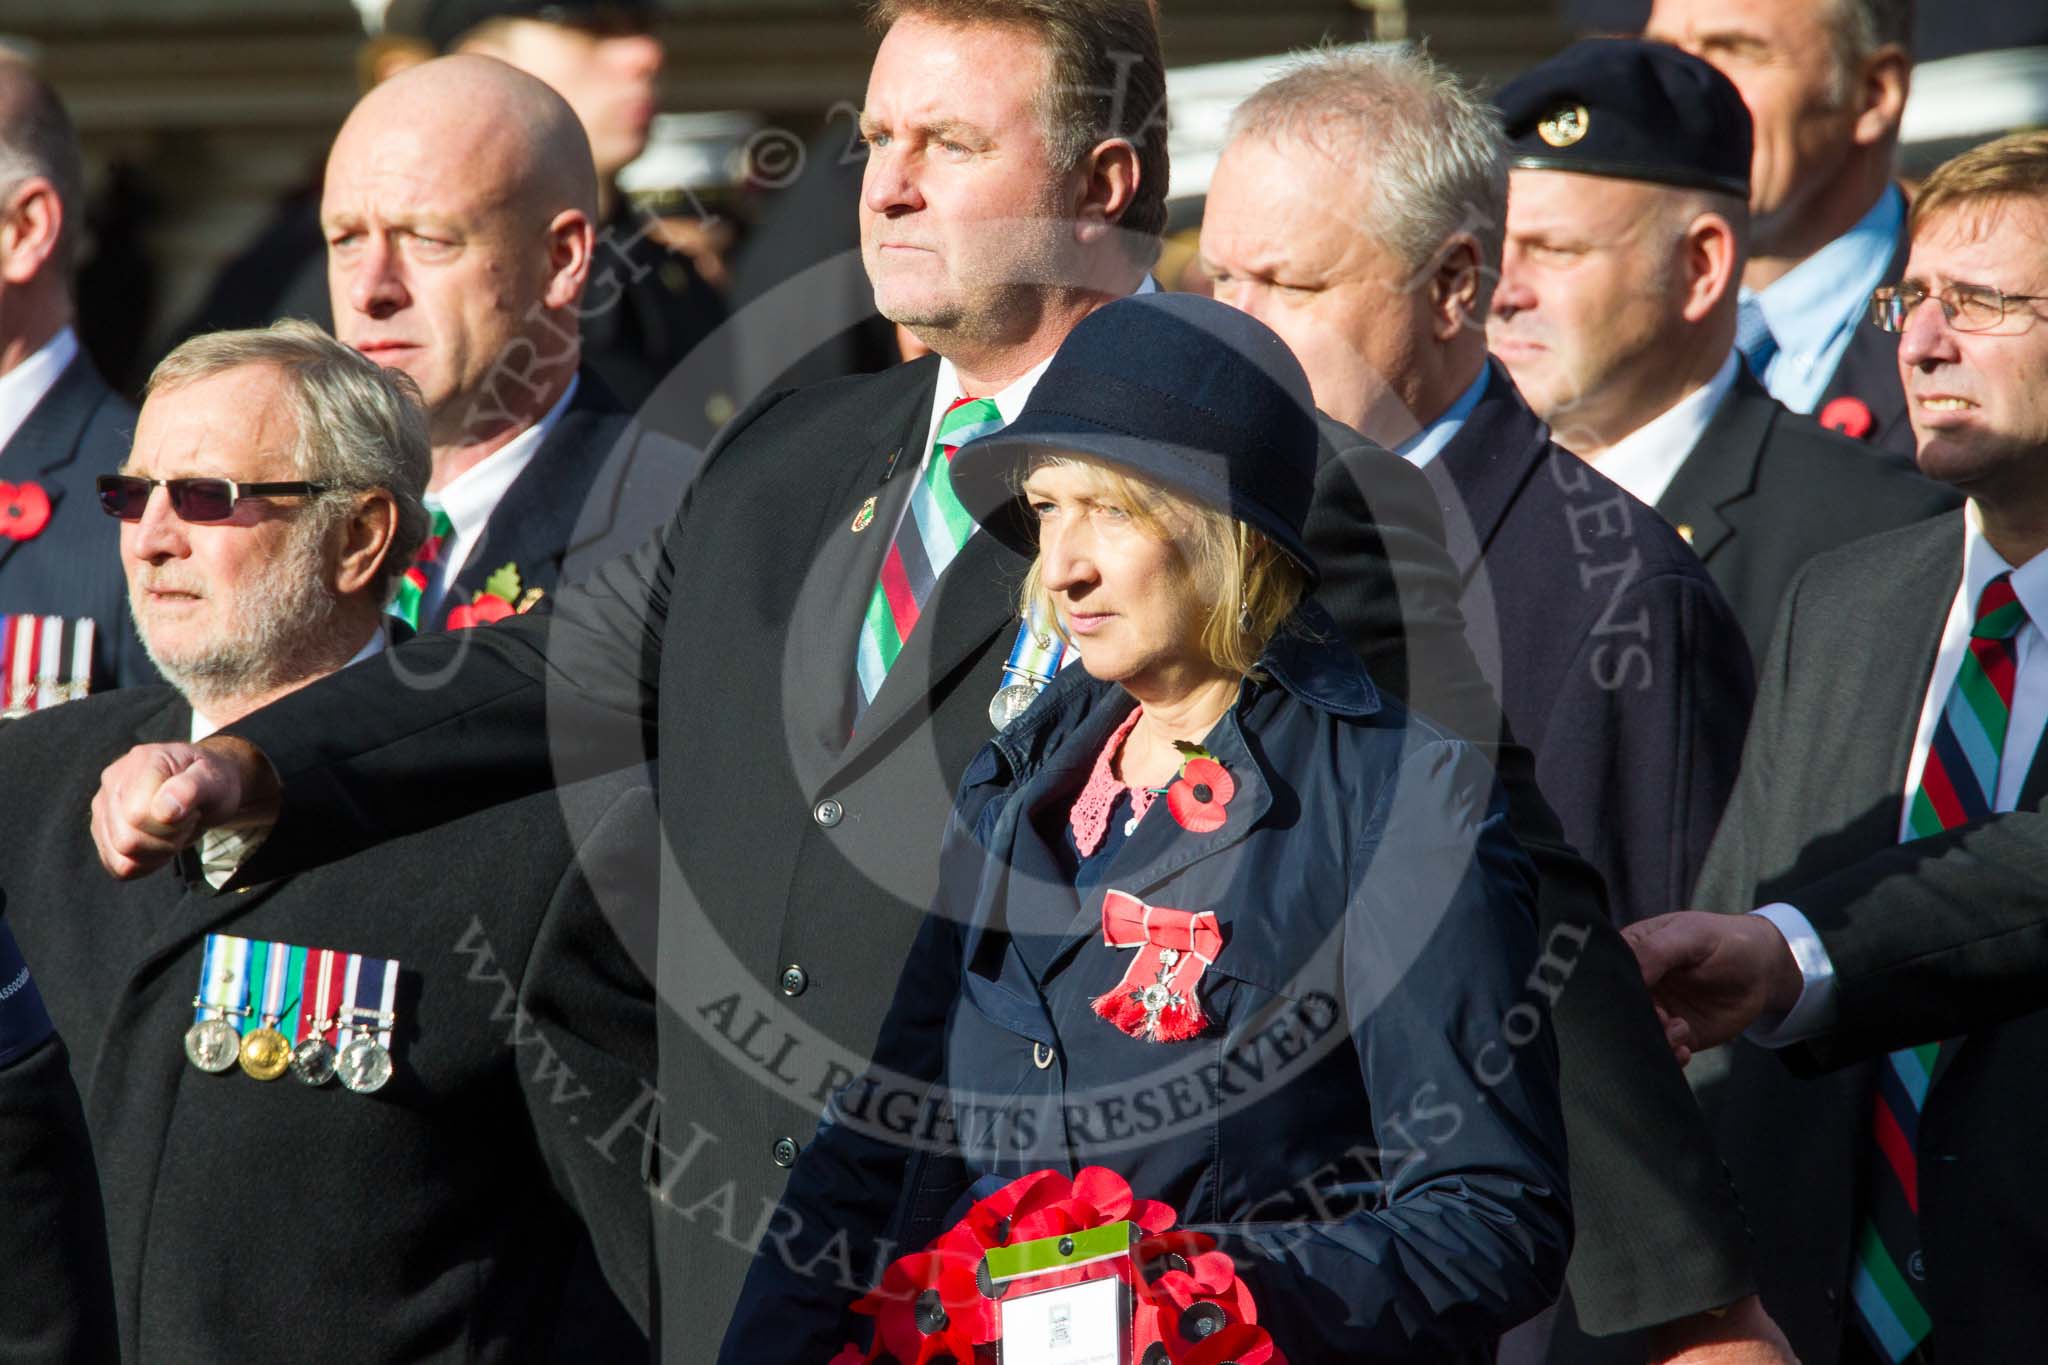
<point>1089,818</point>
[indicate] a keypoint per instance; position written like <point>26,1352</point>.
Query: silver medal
<point>313,1061</point>
<point>213,1045</point>
<point>364,1065</point>
<point>1010,703</point>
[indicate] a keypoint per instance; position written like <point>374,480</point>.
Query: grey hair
<point>1437,157</point>
<point>359,425</point>
<point>1859,28</point>
<point>37,138</point>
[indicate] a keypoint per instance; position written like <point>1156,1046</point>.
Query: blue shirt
<point>24,1023</point>
<point>1816,306</point>
<point>1428,443</point>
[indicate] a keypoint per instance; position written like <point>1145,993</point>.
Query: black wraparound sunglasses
<point>126,495</point>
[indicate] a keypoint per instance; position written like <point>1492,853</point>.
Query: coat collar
<point>1722,469</point>
<point>1484,468</point>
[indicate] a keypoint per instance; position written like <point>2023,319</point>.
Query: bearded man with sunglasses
<point>1887,832</point>
<point>429,1196</point>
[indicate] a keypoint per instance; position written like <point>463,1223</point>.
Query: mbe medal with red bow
<point>1156,999</point>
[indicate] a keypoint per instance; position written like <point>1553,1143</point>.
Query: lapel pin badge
<point>865,517</point>
<point>1685,531</point>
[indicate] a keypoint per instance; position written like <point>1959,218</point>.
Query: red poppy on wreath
<point>1197,797</point>
<point>1850,416</point>
<point>929,1309</point>
<point>24,510</point>
<point>1243,1344</point>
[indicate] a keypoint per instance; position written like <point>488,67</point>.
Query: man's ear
<point>1108,183</point>
<point>1713,265</point>
<point>571,242</point>
<point>1454,288</point>
<point>33,221</point>
<point>366,541</point>
<point>1880,94</point>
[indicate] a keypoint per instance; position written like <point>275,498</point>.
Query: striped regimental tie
<point>1958,785</point>
<point>930,534</point>
<point>413,583</point>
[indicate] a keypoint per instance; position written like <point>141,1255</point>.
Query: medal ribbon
<point>320,977</point>
<point>372,991</point>
<point>223,977</point>
<point>259,974</point>
<point>1193,936</point>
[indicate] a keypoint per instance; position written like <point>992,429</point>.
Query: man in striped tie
<point>1888,823</point>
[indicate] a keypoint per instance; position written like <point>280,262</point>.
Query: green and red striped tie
<point>1958,785</point>
<point>932,531</point>
<point>412,584</point>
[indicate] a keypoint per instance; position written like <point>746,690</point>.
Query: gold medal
<point>266,1054</point>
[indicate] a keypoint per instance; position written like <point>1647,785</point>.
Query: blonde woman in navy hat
<point>1213,913</point>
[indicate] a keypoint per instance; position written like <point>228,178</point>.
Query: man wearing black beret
<point>1618,661</point>
<point>1616,314</point>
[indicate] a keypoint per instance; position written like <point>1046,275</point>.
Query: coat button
<point>828,812</point>
<point>785,1151</point>
<point>1041,1056</point>
<point>794,979</point>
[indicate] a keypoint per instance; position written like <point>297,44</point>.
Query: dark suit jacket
<point>1869,373</point>
<point>59,1305</point>
<point>1619,661</point>
<point>437,1219</point>
<point>1657,1239</point>
<point>1765,490</point>
<point>597,487</point>
<point>79,431</point>
<point>804,858</point>
<point>1815,822</point>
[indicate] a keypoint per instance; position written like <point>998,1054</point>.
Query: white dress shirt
<point>1647,459</point>
<point>1814,1014</point>
<point>24,386</point>
<point>223,851</point>
<point>471,496</point>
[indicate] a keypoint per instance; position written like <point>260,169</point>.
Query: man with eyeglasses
<point>373,1100</point>
<point>1616,315</point>
<point>1888,822</point>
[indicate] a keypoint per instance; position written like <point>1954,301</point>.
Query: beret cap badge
<point>1564,125</point>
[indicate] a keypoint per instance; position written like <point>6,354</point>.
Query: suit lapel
<point>1483,469</point>
<point>868,492</point>
<point>533,524</point>
<point>48,438</point>
<point>1721,471</point>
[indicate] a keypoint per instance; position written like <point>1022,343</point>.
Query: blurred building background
<point>199,116</point>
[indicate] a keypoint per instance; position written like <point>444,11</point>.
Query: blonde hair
<point>1250,584</point>
<point>2010,167</point>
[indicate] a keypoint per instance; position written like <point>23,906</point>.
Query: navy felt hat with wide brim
<point>1177,389</point>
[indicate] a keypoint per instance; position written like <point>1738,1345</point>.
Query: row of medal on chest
<point>318,1013</point>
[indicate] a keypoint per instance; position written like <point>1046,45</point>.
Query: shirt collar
<point>1648,458</point>
<point>1428,443</point>
<point>1981,564</point>
<point>471,496</point>
<point>24,386</point>
<point>202,727</point>
<point>1829,290</point>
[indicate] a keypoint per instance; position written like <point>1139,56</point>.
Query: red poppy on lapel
<point>24,510</point>
<point>487,607</point>
<point>1850,416</point>
<point>1197,797</point>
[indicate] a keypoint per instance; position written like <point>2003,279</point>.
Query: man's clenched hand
<point>156,799</point>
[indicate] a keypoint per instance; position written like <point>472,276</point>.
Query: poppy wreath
<point>1189,1307</point>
